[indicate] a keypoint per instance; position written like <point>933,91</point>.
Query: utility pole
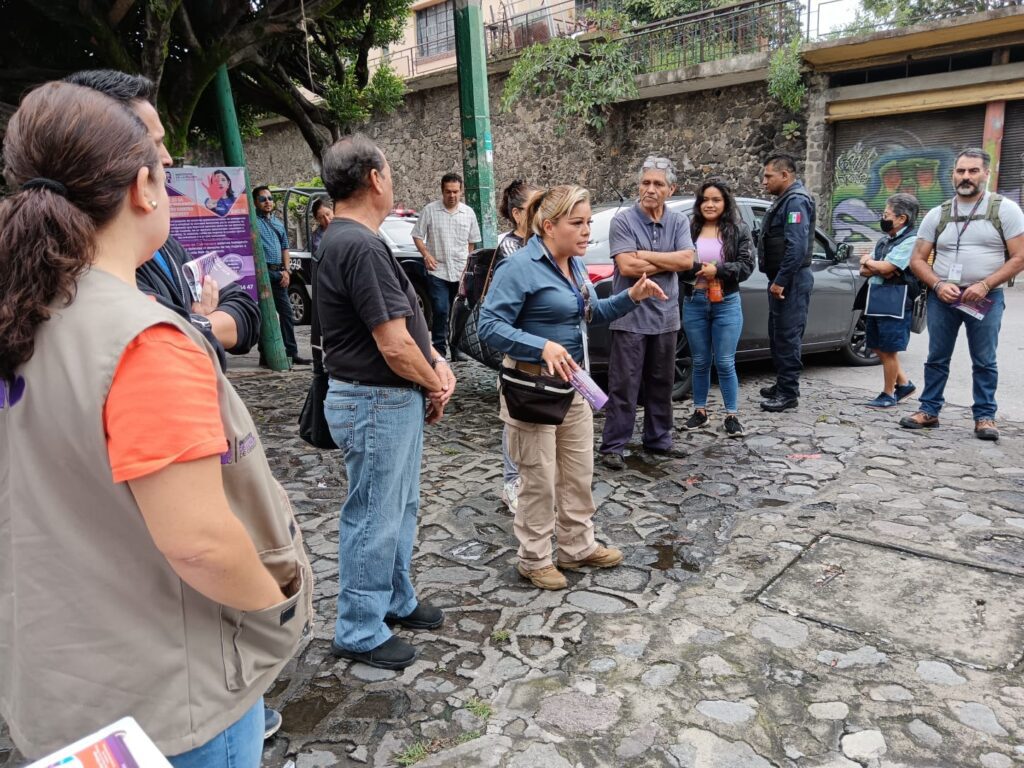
<point>271,342</point>
<point>475,114</point>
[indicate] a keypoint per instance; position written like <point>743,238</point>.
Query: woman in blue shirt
<point>536,312</point>
<point>888,336</point>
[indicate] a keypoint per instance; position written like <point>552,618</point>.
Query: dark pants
<point>442,294</point>
<point>636,358</point>
<point>787,318</point>
<point>284,312</point>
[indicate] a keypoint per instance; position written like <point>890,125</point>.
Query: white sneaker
<point>510,494</point>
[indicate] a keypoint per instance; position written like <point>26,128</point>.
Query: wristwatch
<point>201,323</point>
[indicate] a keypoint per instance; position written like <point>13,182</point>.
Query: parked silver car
<point>832,323</point>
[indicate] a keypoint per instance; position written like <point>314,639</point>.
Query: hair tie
<point>43,183</point>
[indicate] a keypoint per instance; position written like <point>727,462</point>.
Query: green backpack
<point>991,214</point>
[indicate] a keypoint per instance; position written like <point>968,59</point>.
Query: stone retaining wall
<point>717,131</point>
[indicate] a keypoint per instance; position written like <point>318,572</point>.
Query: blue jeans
<point>944,324</point>
<point>713,331</point>
<point>237,746</point>
<point>284,313</point>
<point>787,318</point>
<point>442,294</point>
<point>380,432</point>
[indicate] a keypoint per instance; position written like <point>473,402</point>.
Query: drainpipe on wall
<point>475,117</point>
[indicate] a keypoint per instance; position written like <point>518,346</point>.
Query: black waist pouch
<point>536,399</point>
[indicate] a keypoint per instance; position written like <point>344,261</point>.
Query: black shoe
<point>732,426</point>
<point>672,453</point>
<point>393,653</point>
<point>779,404</point>
<point>770,393</point>
<point>697,420</point>
<point>424,617</point>
<point>613,460</point>
<point>300,361</point>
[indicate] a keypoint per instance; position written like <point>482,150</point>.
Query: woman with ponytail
<point>149,563</point>
<point>536,313</point>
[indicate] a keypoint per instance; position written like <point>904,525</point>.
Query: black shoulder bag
<point>313,427</point>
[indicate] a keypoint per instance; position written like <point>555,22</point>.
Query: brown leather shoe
<point>985,429</point>
<point>919,420</point>
<point>602,557</point>
<point>547,577</point>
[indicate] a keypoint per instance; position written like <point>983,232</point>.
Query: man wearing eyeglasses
<point>274,239</point>
<point>646,239</point>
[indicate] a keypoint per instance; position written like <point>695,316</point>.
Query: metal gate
<point>1011,164</point>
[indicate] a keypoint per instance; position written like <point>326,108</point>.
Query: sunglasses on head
<point>265,199</point>
<point>658,163</point>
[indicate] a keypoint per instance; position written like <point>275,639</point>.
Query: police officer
<point>784,255</point>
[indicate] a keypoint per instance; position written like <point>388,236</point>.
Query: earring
<point>153,204</point>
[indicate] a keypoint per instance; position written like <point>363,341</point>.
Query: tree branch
<point>118,11</point>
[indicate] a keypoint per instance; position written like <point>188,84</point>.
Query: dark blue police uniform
<point>784,255</point>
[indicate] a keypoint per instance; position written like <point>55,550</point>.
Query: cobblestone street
<point>829,591</point>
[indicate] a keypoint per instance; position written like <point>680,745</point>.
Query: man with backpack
<point>978,243</point>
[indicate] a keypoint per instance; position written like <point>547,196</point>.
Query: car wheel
<point>300,303</point>
<point>683,385</point>
<point>855,351</point>
<point>423,298</point>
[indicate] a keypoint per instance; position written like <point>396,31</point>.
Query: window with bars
<point>435,29</point>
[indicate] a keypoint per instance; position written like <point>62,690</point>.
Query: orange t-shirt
<point>162,405</point>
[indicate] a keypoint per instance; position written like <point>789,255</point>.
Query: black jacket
<point>731,272</point>
<point>787,235</point>
<point>175,295</point>
<point>883,245</point>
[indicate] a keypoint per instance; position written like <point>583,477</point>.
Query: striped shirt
<point>447,235</point>
<point>273,237</point>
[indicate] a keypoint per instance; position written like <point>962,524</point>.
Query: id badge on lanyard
<point>583,298</point>
<point>956,270</point>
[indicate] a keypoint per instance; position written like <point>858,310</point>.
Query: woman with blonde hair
<point>536,312</point>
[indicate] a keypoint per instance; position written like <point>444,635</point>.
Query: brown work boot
<point>547,577</point>
<point>985,429</point>
<point>602,557</point>
<point>919,420</point>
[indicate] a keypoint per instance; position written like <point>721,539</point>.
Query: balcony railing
<point>753,26</point>
<point>750,26</point>
<point>836,19</point>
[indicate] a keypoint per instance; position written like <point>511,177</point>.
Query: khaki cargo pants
<point>556,464</point>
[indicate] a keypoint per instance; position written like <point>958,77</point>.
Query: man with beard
<point>978,242</point>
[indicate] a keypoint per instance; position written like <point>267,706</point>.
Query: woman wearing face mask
<point>158,570</point>
<point>712,312</point>
<point>536,313</point>
<point>888,336</point>
<point>513,208</point>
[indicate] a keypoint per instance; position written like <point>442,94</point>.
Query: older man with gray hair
<point>646,238</point>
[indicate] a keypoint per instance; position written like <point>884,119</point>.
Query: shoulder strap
<point>945,216</point>
<point>995,202</point>
<point>315,338</point>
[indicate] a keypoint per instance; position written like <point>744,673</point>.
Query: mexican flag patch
<point>794,218</point>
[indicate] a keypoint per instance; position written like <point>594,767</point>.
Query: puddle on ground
<point>653,471</point>
<point>668,556</point>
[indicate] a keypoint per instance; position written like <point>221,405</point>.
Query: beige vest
<point>94,623</point>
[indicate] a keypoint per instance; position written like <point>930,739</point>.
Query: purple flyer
<point>210,213</point>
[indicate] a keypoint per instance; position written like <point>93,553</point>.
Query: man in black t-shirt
<point>386,381</point>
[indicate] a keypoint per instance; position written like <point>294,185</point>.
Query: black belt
<point>275,267</point>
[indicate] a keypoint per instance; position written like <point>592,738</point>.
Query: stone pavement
<point>828,592</point>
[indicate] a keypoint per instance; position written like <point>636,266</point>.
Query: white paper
<point>210,265</point>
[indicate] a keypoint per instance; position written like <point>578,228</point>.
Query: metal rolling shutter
<point>1011,164</point>
<point>876,157</point>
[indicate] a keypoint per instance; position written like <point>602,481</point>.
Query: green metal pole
<point>271,342</point>
<point>474,110</point>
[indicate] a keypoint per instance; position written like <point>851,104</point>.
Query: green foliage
<point>647,11</point>
<point>481,709</point>
<point>350,105</point>
<point>467,736</point>
<point>791,130</point>
<point>785,81</point>
<point>585,77</point>
<point>412,754</point>
<point>500,636</point>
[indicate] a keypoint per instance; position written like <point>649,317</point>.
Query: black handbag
<point>465,317</point>
<point>313,427</point>
<point>535,398</point>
